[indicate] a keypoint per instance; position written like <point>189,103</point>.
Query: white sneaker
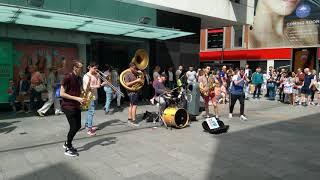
<point>58,112</point>
<point>230,115</point>
<point>152,101</point>
<point>40,113</point>
<point>243,118</point>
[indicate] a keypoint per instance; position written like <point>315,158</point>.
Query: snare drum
<point>176,117</point>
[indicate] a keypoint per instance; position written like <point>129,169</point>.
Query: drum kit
<point>175,114</point>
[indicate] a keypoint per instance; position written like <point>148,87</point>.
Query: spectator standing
<point>305,89</point>
<point>270,73</point>
<point>222,75</point>
<point>248,74</point>
<point>12,90</point>
<point>257,80</point>
<point>107,89</point>
<point>191,75</point>
<point>37,87</point>
<point>312,86</point>
<point>271,86</point>
<point>116,83</point>
<point>299,82</point>
<point>156,73</point>
<point>23,88</point>
<point>171,78</point>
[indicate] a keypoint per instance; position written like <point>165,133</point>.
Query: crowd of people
<point>217,86</point>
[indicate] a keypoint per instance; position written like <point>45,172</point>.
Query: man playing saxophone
<point>92,81</point>
<point>70,92</point>
<point>204,89</point>
<point>130,79</point>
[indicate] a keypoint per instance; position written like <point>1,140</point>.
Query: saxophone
<point>87,96</point>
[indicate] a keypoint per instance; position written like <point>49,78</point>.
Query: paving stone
<point>276,143</point>
<point>146,176</point>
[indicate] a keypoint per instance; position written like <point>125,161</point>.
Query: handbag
<point>40,88</point>
<point>57,91</point>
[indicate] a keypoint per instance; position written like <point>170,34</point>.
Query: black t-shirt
<point>72,85</point>
<point>307,80</point>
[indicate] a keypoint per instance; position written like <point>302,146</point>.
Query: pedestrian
<point>51,85</point>
<point>107,89</point>
<point>237,93</point>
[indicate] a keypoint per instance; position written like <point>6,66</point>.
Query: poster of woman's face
<point>285,23</point>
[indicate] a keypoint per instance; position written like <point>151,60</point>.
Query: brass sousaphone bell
<point>141,60</point>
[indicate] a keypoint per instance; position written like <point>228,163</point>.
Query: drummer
<point>160,91</point>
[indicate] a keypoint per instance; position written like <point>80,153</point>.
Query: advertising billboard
<point>285,23</point>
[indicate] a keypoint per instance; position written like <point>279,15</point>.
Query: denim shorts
<point>133,97</point>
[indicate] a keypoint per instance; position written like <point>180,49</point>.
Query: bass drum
<point>175,117</point>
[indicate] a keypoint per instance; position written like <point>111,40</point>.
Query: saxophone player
<point>70,92</point>
<point>92,81</point>
<point>204,89</point>
<point>130,80</point>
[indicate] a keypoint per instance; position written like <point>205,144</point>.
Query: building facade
<point>283,35</point>
<point>47,33</point>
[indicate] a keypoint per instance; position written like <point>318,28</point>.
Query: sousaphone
<point>141,60</point>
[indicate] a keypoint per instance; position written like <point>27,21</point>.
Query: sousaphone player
<point>130,79</point>
<point>133,80</point>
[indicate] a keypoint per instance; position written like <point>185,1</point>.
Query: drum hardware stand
<point>159,115</point>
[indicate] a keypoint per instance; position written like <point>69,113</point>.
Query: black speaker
<point>221,129</point>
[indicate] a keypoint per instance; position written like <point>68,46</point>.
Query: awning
<point>52,19</point>
<point>246,54</point>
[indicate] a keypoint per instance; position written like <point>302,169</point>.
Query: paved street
<point>277,142</point>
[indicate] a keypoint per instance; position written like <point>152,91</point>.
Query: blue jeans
<point>108,91</point>
<point>90,113</point>
<point>272,93</point>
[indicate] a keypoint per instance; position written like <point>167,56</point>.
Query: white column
<point>243,63</point>
<point>270,63</point>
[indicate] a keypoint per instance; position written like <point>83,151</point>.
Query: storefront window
<point>215,38</point>
<point>237,36</point>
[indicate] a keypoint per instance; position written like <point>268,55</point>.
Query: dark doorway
<point>118,55</point>
<point>254,64</point>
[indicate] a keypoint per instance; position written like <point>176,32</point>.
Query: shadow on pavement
<point>102,142</point>
<point>283,150</point>
<point>110,123</point>
<point>5,127</point>
<point>11,115</point>
<point>57,171</point>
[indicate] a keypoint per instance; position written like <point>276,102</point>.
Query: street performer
<point>204,90</point>
<point>130,79</point>
<point>92,81</point>
<point>70,92</point>
<point>160,89</point>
